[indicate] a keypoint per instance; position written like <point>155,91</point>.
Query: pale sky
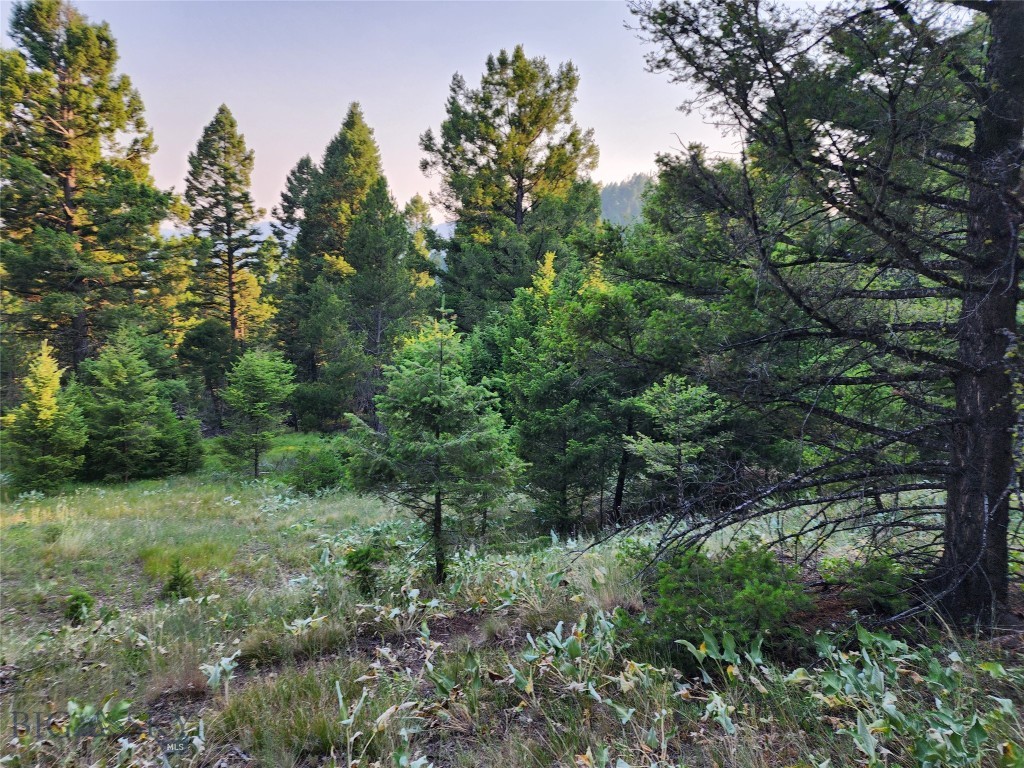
<point>289,68</point>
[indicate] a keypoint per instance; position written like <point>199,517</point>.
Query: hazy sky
<point>288,70</point>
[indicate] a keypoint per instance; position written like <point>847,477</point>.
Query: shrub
<point>317,470</point>
<point>745,591</point>
<point>78,605</point>
<point>362,563</point>
<point>877,585</point>
<point>180,582</point>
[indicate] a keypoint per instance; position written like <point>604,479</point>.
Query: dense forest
<point>813,340</point>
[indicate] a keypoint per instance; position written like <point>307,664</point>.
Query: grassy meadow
<point>292,649</point>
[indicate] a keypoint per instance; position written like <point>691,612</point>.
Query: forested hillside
<point>721,466</point>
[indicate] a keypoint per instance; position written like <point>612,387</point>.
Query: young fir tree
<point>80,210</point>
<point>560,401</point>
<point>688,430</point>
<point>444,447</point>
<point>133,430</point>
<point>45,435</point>
<point>259,384</point>
<point>223,215</point>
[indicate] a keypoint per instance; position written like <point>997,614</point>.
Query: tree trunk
<point>79,330</point>
<point>229,264</point>
<point>620,481</point>
<point>436,530</point>
<point>975,558</point>
<point>69,191</point>
<point>520,212</point>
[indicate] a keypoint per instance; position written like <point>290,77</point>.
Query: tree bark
<point>439,564</point>
<point>975,557</point>
<point>620,481</point>
<point>229,264</point>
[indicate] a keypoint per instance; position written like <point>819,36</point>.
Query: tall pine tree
<point>80,210</point>
<point>509,155</point>
<point>224,217</point>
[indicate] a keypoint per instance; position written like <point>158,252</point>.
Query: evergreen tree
<point>292,209</point>
<point>679,457</point>
<point>208,351</point>
<point>133,430</point>
<point>222,214</point>
<point>877,198</point>
<point>43,438</point>
<point>504,151</point>
<point>382,291</point>
<point>324,395</point>
<point>259,384</point>
<point>560,401</point>
<point>622,201</point>
<point>322,326</point>
<point>80,211</point>
<point>444,446</point>
<point>335,192</point>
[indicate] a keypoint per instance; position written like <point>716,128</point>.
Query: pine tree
<point>877,194</point>
<point>223,215</point>
<point>45,435</point>
<point>80,211</point>
<point>259,384</point>
<point>505,151</point>
<point>444,446</point>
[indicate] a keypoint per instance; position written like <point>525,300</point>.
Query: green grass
<point>275,596</point>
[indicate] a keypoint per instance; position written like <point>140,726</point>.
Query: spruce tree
<point>223,215</point>
<point>207,350</point>
<point>133,430</point>
<point>44,437</point>
<point>259,384</point>
<point>382,291</point>
<point>350,167</point>
<point>444,447</point>
<point>560,399</point>
<point>312,321</point>
<point>292,209</point>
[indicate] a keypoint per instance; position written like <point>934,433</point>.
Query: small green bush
<point>877,585</point>
<point>78,605</point>
<point>745,591</point>
<point>317,470</point>
<point>180,582</point>
<point>363,564</point>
